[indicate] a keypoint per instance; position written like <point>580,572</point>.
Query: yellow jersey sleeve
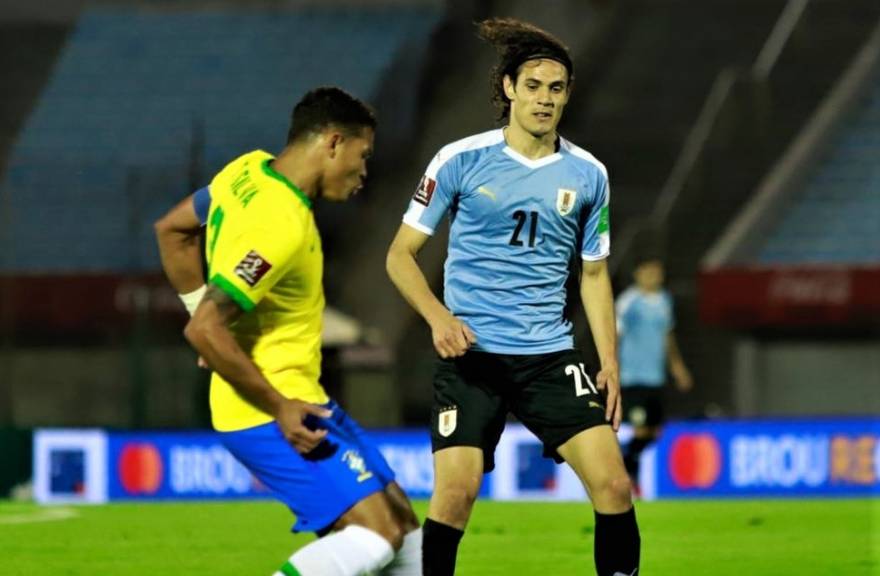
<point>248,264</point>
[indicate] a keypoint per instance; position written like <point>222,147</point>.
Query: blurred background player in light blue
<point>647,344</point>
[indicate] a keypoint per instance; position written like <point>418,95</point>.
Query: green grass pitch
<point>718,538</point>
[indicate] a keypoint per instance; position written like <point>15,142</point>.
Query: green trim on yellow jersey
<point>233,292</point>
<point>273,174</point>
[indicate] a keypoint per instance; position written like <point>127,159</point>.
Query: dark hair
<point>329,106</point>
<point>518,42</point>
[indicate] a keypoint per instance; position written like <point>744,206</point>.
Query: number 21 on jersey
<point>521,216</point>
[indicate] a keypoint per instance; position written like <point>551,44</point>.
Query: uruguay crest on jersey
<point>565,201</point>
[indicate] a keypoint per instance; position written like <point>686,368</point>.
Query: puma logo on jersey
<point>252,268</point>
<point>486,192</point>
<point>595,405</point>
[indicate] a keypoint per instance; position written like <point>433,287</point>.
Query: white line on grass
<point>44,515</point>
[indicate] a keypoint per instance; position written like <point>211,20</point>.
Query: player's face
<point>539,96</point>
<point>346,169</point>
<point>650,275</point>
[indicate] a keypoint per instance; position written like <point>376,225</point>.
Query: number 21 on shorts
<point>580,376</point>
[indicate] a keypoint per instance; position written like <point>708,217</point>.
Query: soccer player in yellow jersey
<point>257,325</point>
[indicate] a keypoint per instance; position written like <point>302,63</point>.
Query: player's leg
<point>642,409</point>
<point>408,560</point>
<point>402,507</point>
<point>458,474</point>
<point>320,488</point>
<point>467,420</point>
<point>363,540</point>
<point>595,456</point>
<point>559,402</point>
<point>643,436</point>
<point>408,557</point>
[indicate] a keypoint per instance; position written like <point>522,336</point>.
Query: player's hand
<point>608,381</point>
<point>451,336</point>
<point>290,418</point>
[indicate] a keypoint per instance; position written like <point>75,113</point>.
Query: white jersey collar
<point>528,162</point>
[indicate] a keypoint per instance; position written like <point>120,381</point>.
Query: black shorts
<point>642,405</point>
<point>551,394</point>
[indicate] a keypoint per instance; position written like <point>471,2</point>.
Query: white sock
<point>408,560</point>
<point>349,552</point>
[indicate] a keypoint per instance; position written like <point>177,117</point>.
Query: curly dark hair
<point>325,106</point>
<point>516,43</point>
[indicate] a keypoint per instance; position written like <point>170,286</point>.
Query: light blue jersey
<point>644,321</point>
<point>515,226</point>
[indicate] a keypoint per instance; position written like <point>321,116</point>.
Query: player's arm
<point>178,236</point>
<point>598,302</point>
<point>451,336</point>
<point>208,332</point>
<point>682,376</point>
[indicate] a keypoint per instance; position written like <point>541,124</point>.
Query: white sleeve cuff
<point>595,257</point>
<point>192,299</point>
<point>414,223</point>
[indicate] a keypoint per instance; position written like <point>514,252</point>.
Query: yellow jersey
<point>264,251</point>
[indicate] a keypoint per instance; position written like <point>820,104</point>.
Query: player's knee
<point>457,500</point>
<point>613,493</point>
<point>619,490</point>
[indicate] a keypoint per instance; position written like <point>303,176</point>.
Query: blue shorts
<point>322,485</point>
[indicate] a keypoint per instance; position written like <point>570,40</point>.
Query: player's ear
<point>509,87</point>
<point>334,139</point>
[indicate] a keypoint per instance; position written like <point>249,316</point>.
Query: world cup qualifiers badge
<point>252,268</point>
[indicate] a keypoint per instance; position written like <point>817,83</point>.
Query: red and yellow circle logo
<point>140,469</point>
<point>695,461</point>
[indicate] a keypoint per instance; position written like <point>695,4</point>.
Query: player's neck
<point>528,145</point>
<point>299,170</point>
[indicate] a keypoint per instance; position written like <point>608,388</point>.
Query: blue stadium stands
<point>138,95</point>
<point>836,218</point>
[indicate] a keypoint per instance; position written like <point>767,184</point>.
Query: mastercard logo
<point>140,469</point>
<point>695,461</point>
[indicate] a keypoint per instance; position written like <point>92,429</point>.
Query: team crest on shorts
<point>446,421</point>
<point>565,201</point>
<point>356,462</point>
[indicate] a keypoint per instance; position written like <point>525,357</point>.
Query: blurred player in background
<point>257,324</point>
<point>523,204</point>
<point>645,328</point>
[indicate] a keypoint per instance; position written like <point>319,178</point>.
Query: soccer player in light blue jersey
<point>523,204</point>
<point>645,326</point>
